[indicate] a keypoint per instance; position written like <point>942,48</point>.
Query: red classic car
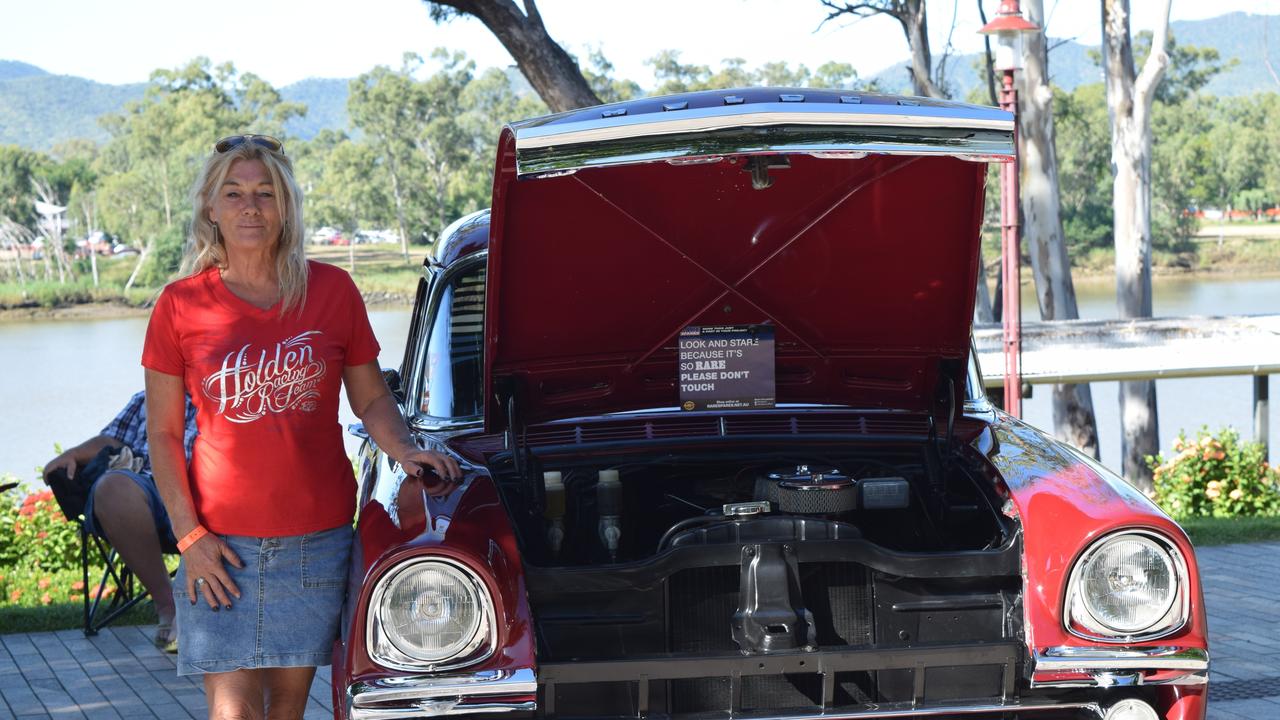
<point>707,366</point>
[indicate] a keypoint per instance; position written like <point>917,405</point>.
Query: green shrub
<point>1216,475</point>
<point>35,537</point>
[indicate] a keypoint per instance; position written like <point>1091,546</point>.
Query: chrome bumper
<point>490,691</point>
<point>1117,667</point>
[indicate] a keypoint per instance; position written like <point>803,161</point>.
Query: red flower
<point>46,599</point>
<point>73,597</point>
<point>42,534</point>
<point>77,585</point>
<point>15,596</point>
<point>44,583</point>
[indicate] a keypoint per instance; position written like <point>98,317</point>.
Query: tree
<point>1129,100</point>
<point>1073,418</point>
<point>18,167</point>
<point>599,75</point>
<point>388,106</point>
<point>552,72</point>
<point>910,14</point>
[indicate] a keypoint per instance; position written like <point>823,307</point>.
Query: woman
<point>262,339</point>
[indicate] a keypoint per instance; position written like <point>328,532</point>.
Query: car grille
<point>702,603</point>
<point>686,427</point>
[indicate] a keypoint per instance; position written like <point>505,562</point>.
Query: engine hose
<point>685,524</point>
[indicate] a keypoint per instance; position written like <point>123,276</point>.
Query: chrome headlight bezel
<point>1081,622</point>
<point>384,651</point>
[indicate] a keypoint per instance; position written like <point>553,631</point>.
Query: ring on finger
<point>199,583</point>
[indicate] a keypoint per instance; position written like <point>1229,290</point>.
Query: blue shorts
<point>291,594</point>
<point>158,513</point>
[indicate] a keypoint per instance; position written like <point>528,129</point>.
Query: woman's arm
<point>373,403</point>
<point>166,420</point>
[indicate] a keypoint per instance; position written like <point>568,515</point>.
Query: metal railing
<point>1083,351</point>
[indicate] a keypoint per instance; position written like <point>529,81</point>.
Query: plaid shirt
<point>130,428</point>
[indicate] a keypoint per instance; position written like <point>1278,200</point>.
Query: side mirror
<point>392,379</point>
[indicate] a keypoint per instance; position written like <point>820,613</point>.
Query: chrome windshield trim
<point>710,119</point>
<point>429,696</point>
<point>412,384</point>
<point>1067,659</point>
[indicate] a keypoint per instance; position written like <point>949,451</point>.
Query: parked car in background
<point>325,235</point>
<point>707,366</point>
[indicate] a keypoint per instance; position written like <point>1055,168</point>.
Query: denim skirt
<point>291,594</point>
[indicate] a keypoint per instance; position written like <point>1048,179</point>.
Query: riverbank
<point>387,280</point>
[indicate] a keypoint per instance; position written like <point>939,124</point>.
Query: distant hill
<point>1235,35</point>
<point>39,110</point>
<point>12,70</point>
<point>326,101</point>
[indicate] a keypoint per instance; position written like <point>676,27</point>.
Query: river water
<point>62,380</point>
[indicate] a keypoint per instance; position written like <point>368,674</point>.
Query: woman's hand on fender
<point>204,562</point>
<point>415,462</point>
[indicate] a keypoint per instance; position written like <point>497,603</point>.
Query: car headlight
<point>1127,586</point>
<point>433,614</point>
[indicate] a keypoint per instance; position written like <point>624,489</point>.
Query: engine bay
<point>571,513</point>
<point>764,554</point>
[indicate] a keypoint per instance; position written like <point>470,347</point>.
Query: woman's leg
<point>286,690</point>
<point>235,695</point>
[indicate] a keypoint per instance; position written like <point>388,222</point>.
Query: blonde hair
<point>205,249</point>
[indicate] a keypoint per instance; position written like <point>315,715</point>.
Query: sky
<point>284,41</point>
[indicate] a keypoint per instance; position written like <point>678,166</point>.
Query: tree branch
<point>863,10</point>
<point>1157,62</point>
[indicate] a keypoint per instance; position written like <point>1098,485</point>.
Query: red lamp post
<point>1008,27</point>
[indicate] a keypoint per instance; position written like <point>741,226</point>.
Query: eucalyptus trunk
<point>1073,416</point>
<point>142,258</point>
<point>915,24</point>
<point>401,222</point>
<point>1129,100</point>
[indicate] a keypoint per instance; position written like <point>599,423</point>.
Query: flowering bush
<point>1216,476</point>
<point>35,534</point>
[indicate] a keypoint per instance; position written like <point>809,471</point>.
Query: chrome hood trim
<point>545,146</point>
<point>755,116</point>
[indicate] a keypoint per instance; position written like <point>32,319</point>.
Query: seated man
<point>125,507</point>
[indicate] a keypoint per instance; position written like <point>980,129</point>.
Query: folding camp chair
<point>103,609</point>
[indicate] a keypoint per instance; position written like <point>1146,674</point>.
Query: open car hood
<point>615,227</point>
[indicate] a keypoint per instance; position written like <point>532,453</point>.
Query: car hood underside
<point>862,256</point>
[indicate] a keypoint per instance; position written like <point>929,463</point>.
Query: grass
<point>1226,531</point>
<point>22,608</point>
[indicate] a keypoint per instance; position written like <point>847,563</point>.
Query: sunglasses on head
<point>234,141</point>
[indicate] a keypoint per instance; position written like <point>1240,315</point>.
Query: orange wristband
<point>190,538</point>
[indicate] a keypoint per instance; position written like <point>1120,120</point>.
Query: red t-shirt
<point>269,460</point>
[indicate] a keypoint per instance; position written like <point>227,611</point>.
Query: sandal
<point>166,637</point>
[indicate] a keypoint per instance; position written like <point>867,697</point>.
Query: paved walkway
<point>119,674</point>
<point>115,675</point>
